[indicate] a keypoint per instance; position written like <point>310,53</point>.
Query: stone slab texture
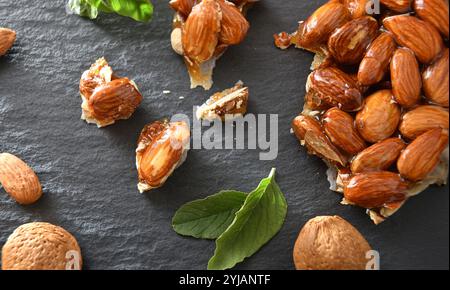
<point>89,176</point>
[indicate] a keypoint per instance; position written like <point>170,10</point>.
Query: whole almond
<point>113,101</point>
<point>375,63</point>
<point>7,39</point>
<point>41,246</point>
<point>422,119</point>
<point>310,133</point>
<point>340,128</point>
<point>435,12</point>
<point>200,33</point>
<point>379,156</point>
<point>421,156</point>
<point>349,42</point>
<point>19,180</point>
<point>234,25</point>
<point>405,77</point>
<point>420,36</point>
<point>375,189</point>
<point>401,6</point>
<point>313,33</point>
<point>379,117</point>
<point>335,88</point>
<point>435,81</point>
<point>357,8</point>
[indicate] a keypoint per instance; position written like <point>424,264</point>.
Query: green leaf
<point>83,8</point>
<point>259,219</point>
<point>139,10</point>
<point>208,218</point>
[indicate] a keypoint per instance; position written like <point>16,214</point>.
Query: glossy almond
<point>19,180</point>
<point>375,189</point>
<point>315,31</point>
<point>357,8</point>
<point>435,12</point>
<point>234,25</point>
<point>200,33</point>
<point>379,117</point>
<point>162,147</point>
<point>98,74</point>
<point>435,81</point>
<point>349,42</point>
<point>7,39</point>
<point>113,101</point>
<point>422,119</point>
<point>335,88</point>
<point>405,77</point>
<point>184,7</point>
<point>310,133</point>
<point>375,63</point>
<point>421,156</point>
<point>420,36</point>
<point>401,6</point>
<point>379,156</point>
<point>340,128</point>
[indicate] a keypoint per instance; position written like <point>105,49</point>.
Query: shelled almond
<point>376,102</point>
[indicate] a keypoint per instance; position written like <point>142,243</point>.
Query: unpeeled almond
<point>19,180</point>
<point>7,39</point>
<point>422,119</point>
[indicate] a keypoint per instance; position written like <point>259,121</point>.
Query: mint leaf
<point>83,8</point>
<point>139,10</point>
<point>208,218</point>
<point>259,219</point>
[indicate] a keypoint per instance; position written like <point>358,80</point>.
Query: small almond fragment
<point>232,102</point>
<point>379,156</point>
<point>7,39</point>
<point>401,6</point>
<point>234,25</point>
<point>419,36</point>
<point>340,128</point>
<point>162,147</point>
<point>336,88</point>
<point>184,7</point>
<point>349,42</point>
<point>435,81</point>
<point>41,246</point>
<point>379,117</point>
<point>422,119</point>
<point>405,77</point>
<point>19,180</point>
<point>422,155</point>
<point>376,61</point>
<point>330,243</point>
<point>98,74</point>
<point>435,12</point>
<point>310,133</point>
<point>375,189</point>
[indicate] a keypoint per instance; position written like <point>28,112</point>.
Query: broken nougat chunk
<point>106,97</point>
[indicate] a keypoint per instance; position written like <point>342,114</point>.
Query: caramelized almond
<point>435,81</point>
<point>234,25</point>
<point>435,12</point>
<point>422,119</point>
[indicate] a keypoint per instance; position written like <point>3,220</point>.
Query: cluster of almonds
<point>203,30</point>
<point>376,107</point>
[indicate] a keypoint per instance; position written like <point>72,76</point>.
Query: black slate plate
<point>88,174</point>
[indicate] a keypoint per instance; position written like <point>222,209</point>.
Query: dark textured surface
<point>88,174</point>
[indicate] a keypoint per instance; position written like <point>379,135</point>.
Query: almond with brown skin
<point>379,117</point>
<point>340,128</point>
<point>200,33</point>
<point>435,81</point>
<point>310,133</point>
<point>349,42</point>
<point>379,156</point>
<point>401,6</point>
<point>113,101</point>
<point>234,25</point>
<point>184,7</point>
<point>98,74</point>
<point>376,61</point>
<point>422,119</point>
<point>405,77</point>
<point>335,88</point>
<point>7,39</point>
<point>421,156</point>
<point>313,33</point>
<point>435,12</point>
<point>19,180</point>
<point>162,147</point>
<point>357,8</point>
<point>375,189</point>
<point>420,36</point>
